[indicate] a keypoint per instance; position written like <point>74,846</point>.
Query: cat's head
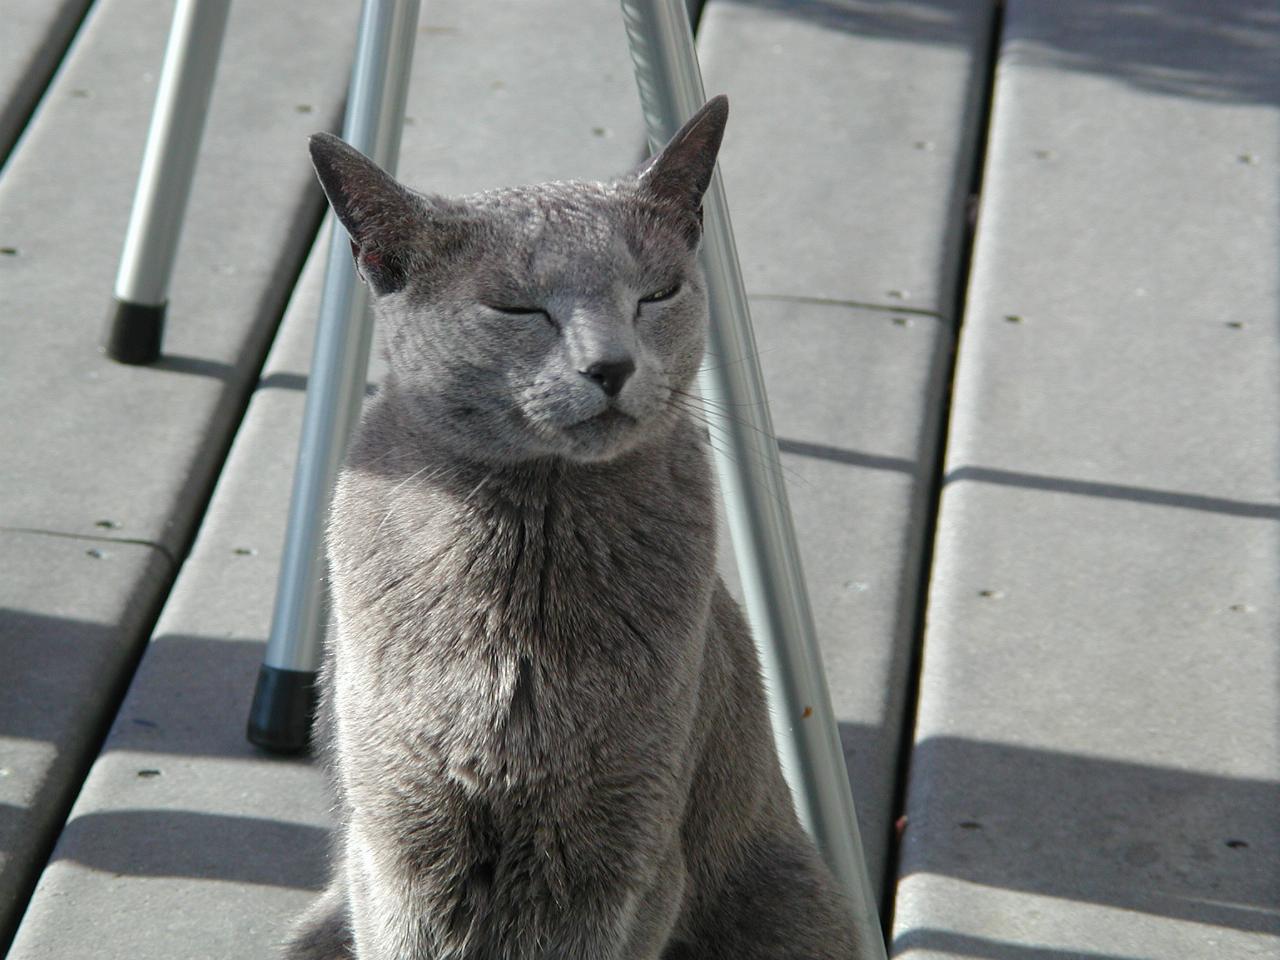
<point>562,319</point>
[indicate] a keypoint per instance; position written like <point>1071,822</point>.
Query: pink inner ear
<point>372,259</point>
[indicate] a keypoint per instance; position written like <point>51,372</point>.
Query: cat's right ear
<point>679,174</point>
<point>379,214</point>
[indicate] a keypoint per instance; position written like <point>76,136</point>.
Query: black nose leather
<point>610,375</point>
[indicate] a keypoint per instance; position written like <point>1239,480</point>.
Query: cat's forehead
<point>550,233</point>
<point>568,211</point>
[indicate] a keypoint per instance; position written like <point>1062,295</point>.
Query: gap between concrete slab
<point>937,470</point>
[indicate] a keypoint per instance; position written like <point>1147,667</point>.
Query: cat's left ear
<point>681,172</point>
<point>378,212</point>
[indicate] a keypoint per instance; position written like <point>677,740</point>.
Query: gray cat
<point>547,726</point>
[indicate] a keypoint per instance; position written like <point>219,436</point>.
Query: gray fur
<point>547,726</point>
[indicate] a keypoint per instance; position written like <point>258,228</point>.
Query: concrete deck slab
<point>481,114</point>
<point>36,34</point>
<point>121,457</point>
<point>848,156</point>
<point>1097,769</point>
<point>185,838</point>
<point>64,655</point>
<point>140,446</point>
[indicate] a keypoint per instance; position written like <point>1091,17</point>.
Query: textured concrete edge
<point>954,252</point>
<point>98,705</point>
<point>913,599</point>
<point>37,73</point>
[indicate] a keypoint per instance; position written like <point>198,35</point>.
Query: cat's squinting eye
<point>665,294</point>
<point>519,311</point>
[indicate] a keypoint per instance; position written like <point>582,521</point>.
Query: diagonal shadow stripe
<point>957,945</point>
<point>1115,491</point>
<point>182,843</point>
<point>821,451</point>
<point>1166,842</point>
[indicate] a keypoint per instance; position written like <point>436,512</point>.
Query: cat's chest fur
<point>503,627</point>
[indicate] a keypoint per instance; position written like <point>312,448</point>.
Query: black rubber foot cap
<point>284,704</point>
<point>134,331</point>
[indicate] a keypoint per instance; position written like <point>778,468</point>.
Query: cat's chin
<point>603,437</point>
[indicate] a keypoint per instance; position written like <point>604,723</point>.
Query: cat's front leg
<point>658,910</point>
<point>387,919</point>
<point>616,907</point>
<point>324,931</point>
<point>398,914</point>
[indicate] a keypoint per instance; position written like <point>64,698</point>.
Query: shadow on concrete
<point>914,21</point>
<point>42,60</point>
<point>182,843</point>
<point>1210,51</point>
<point>950,944</point>
<point>1032,481</point>
<point>1206,51</point>
<point>1115,491</point>
<point>199,367</point>
<point>189,698</point>
<point>11,816</point>
<point>1172,843</point>
<point>1175,843</point>
<point>853,458</point>
<point>60,681</point>
<point>298,381</point>
<point>190,695</point>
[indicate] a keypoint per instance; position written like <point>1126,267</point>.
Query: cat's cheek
<point>676,335</point>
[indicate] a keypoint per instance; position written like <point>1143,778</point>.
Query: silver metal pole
<point>750,473</point>
<point>284,699</point>
<point>164,184</point>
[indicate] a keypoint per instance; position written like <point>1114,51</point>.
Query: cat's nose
<point>610,374</point>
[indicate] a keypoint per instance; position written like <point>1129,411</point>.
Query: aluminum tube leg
<point>284,701</point>
<point>168,165</point>
<point>751,479</point>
